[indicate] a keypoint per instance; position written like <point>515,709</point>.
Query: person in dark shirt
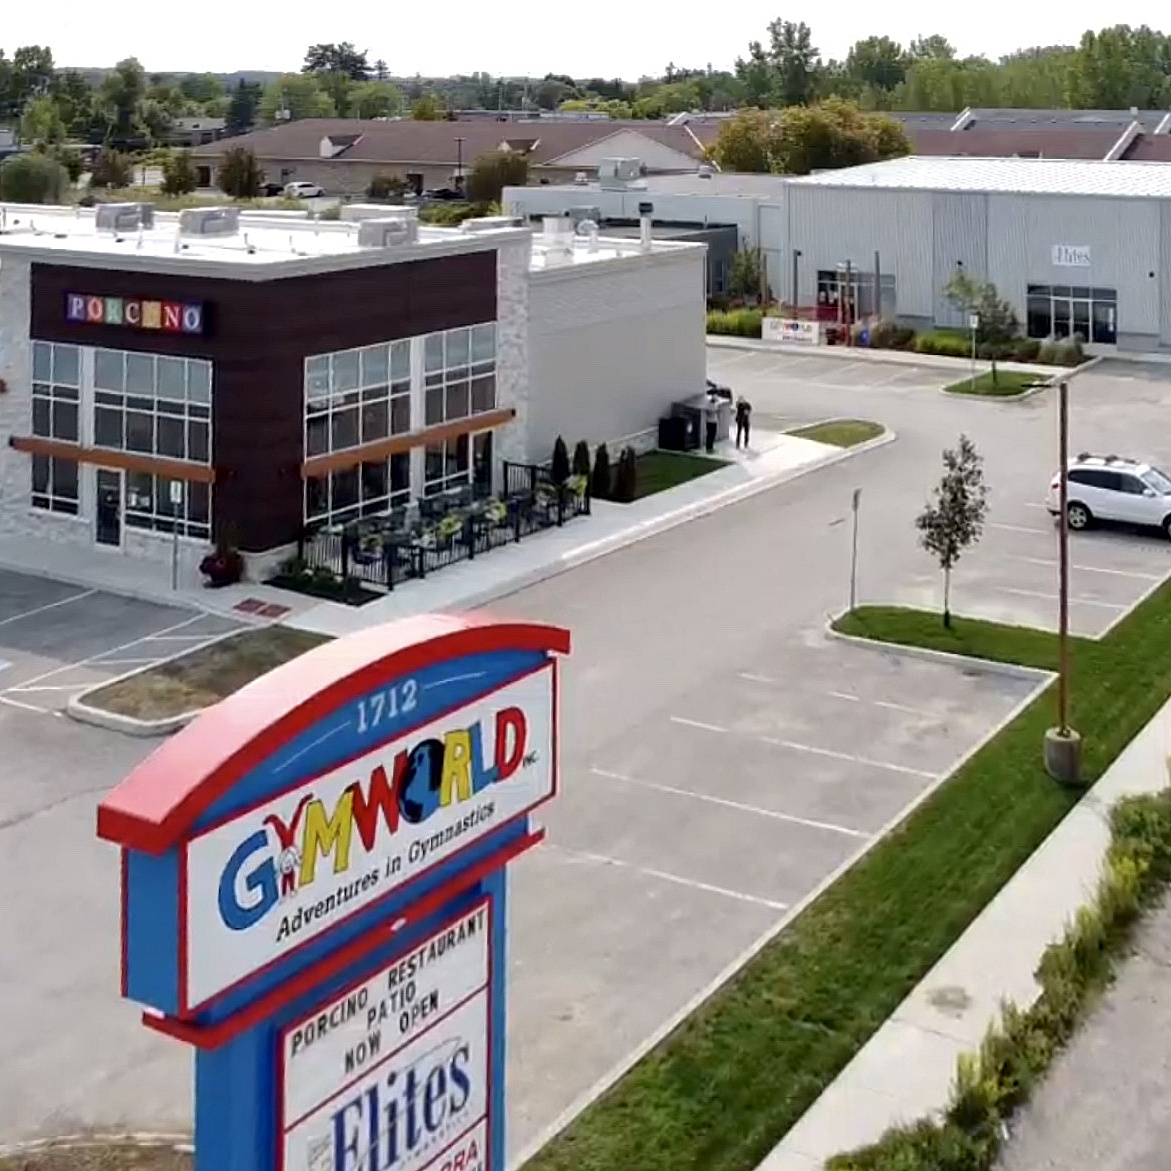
<point>743,420</point>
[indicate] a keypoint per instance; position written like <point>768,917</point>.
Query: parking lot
<point>56,639</point>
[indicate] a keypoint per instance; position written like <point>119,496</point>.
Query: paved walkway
<point>906,1069</point>
<point>773,458</point>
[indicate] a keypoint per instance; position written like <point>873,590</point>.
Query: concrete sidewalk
<point>773,459</point>
<point>907,1068</point>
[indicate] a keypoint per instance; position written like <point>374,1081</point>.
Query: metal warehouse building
<point>1077,247</point>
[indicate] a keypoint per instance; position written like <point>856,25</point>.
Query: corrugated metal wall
<point>959,233</point>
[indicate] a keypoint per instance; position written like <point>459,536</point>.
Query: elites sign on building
<point>132,313</point>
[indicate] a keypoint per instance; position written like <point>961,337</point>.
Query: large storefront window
<point>153,404</point>
<point>357,396</point>
<point>446,465</point>
<point>1061,311</point>
<point>833,287</point>
<point>164,505</point>
<point>459,373</point>
<point>372,488</point>
<point>56,406</point>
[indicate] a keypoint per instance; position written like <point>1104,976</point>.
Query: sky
<point>520,37</point>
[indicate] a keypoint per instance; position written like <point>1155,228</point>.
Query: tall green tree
<point>795,61</point>
<point>240,175</point>
<point>877,63</point>
<point>494,171</point>
<point>120,101</point>
<point>376,99</point>
<point>242,109</point>
<point>331,58</point>
<point>294,96</point>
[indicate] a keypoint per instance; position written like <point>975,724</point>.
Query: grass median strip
<point>657,471</point>
<point>729,1082</point>
<point>1007,384</point>
<point>203,676</point>
<point>841,432</point>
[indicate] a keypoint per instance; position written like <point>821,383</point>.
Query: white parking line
<point>755,678</point>
<point>677,879</point>
<point>1053,598</point>
<point>739,806</point>
<point>849,698</point>
<point>47,606</point>
<point>1018,528</point>
<point>894,768</point>
<point>27,707</point>
<point>697,724</point>
<point>1051,563</point>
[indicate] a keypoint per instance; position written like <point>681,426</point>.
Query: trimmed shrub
<point>735,322</point>
<point>1026,349</point>
<point>240,175</point>
<point>581,459</point>
<point>626,477</point>
<point>993,1082</point>
<point>111,169</point>
<point>559,466</point>
<point>1068,352</point>
<point>178,174</point>
<point>33,178</point>
<point>889,335</point>
<point>600,487</point>
<point>387,187</point>
<point>944,343</point>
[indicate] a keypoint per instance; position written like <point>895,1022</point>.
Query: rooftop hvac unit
<point>577,214</point>
<point>356,212</point>
<point>124,217</point>
<point>209,221</point>
<point>388,232</point>
<point>619,172</point>
<point>488,223</point>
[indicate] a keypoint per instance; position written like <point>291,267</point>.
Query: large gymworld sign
<point>313,895</point>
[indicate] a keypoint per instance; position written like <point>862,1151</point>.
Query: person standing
<point>743,420</point>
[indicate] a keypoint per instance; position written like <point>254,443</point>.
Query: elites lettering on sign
<point>132,313</point>
<point>263,883</point>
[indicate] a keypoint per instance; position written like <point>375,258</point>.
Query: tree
<point>600,482</point>
<point>42,122</point>
<point>559,466</point>
<point>240,175</point>
<point>744,277</point>
<point>494,171</point>
<point>953,519</point>
<point>201,88</point>
<point>343,59</point>
<point>242,107</point>
<point>581,459</point>
<point>931,48</point>
<point>998,324</point>
<point>33,178</point>
<point>376,99</point>
<point>179,174</point>
<point>428,108</point>
<point>747,141</point>
<point>294,96</point>
<point>877,62</point>
<point>386,187</point>
<point>111,168</point>
<point>785,72</point>
<point>626,477</point>
<point>120,100</point>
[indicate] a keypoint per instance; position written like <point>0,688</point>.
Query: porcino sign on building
<point>314,895</point>
<point>135,313</point>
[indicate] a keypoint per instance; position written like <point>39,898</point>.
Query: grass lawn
<point>841,432</point>
<point>723,1089</point>
<point>658,470</point>
<point>205,676</point>
<point>1007,384</point>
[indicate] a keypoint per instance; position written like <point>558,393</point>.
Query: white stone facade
<point>512,348</point>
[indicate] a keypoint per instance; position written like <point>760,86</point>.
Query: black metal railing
<point>381,552</point>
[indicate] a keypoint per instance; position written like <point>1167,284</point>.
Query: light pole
<point>459,163</point>
<point>974,325</point>
<point>857,498</point>
<point>1063,746</point>
<point>796,300</point>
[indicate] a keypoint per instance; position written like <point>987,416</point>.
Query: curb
<point>730,971</point>
<point>85,713</point>
<point>927,654</point>
<point>1050,382</point>
<point>652,528</point>
<point>182,1143</point>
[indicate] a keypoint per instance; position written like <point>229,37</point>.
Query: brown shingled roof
<point>434,143</point>
<point>1080,142</point>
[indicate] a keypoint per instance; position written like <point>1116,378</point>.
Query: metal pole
<point>175,557</point>
<point>1063,521</point>
<point>796,299</point>
<point>854,553</point>
<point>876,308</point>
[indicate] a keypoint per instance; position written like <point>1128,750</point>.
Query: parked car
<point>272,189</point>
<point>300,190</point>
<point>1110,488</point>
<point>443,193</point>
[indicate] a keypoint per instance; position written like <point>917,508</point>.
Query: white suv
<point>1108,488</point>
<point>303,190</point>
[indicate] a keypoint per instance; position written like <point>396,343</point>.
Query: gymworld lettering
<point>281,860</point>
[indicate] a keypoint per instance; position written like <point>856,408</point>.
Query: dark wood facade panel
<point>258,334</point>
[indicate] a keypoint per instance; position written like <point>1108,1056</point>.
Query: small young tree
<point>744,276</point>
<point>494,171</point>
<point>240,175</point>
<point>954,519</point>
<point>998,323</point>
<point>111,169</point>
<point>581,459</point>
<point>626,478</point>
<point>178,174</point>
<point>600,486</point>
<point>559,468</point>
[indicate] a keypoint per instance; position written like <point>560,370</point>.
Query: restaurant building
<point>217,376</point>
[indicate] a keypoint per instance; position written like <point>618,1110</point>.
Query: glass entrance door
<point>108,514</point>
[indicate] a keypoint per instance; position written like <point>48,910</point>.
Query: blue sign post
<point>314,895</point>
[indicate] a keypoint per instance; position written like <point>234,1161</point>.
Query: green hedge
<point>1017,1051</point>
<point>735,322</point>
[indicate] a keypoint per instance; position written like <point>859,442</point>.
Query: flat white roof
<point>266,246</point>
<point>1008,176</point>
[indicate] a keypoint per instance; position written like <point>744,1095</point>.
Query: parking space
<point>58,639</point>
